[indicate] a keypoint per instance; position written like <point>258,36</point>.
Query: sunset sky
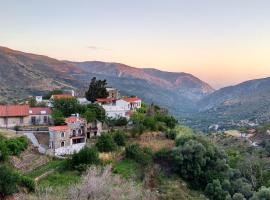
<point>222,42</point>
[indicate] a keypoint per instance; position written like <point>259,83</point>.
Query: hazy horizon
<point>221,42</point>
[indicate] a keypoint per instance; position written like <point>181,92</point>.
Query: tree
<point>32,102</point>
<point>214,190</point>
<point>97,89</point>
<point>89,115</point>
<point>67,106</point>
<point>105,143</point>
<point>58,117</point>
<point>262,194</point>
<point>100,112</point>
<point>238,196</point>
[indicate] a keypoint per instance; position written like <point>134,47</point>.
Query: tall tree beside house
<point>97,89</point>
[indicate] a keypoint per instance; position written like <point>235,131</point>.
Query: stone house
<point>68,138</point>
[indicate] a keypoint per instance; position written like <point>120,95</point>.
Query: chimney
<point>78,116</point>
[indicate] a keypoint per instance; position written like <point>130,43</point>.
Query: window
<point>62,144</point>
<point>62,134</point>
<point>21,120</point>
<point>45,119</point>
<point>33,120</point>
<point>79,131</point>
<point>74,133</point>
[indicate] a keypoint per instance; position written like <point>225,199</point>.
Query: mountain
<point>248,101</point>
<point>23,74</point>
<point>176,91</point>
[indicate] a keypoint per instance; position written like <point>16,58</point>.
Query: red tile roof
<point>58,128</point>
<point>105,100</point>
<point>73,119</point>
<point>14,110</point>
<point>40,111</point>
<point>62,96</point>
<point>131,99</point>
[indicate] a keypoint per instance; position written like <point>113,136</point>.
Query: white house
<point>116,108</point>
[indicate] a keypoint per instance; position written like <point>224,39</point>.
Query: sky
<point>222,42</point>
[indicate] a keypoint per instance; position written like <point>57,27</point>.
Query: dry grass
<point>154,140</point>
<point>9,133</point>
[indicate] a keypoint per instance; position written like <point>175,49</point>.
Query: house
<point>94,129</point>
<point>113,93</point>
<point>40,116</point>
<point>14,115</point>
<point>39,99</point>
<point>134,102</point>
<point>116,108</point>
<point>69,138</point>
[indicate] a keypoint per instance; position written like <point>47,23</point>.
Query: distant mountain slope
<point>24,74</point>
<point>246,101</point>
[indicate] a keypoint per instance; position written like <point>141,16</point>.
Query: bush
<point>27,182</point>
<point>105,143</point>
<point>3,149</point>
<point>142,156</point>
<point>171,134</point>
<point>86,156</point>
<point>150,123</point>
<point>16,145</point>
<point>8,181</point>
<point>138,129</point>
<point>119,138</point>
<point>121,121</point>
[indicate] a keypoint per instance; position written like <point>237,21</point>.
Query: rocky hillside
<point>24,74</point>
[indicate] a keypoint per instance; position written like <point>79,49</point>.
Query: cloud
<point>96,48</point>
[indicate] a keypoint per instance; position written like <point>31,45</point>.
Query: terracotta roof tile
<point>106,100</point>
<point>62,96</point>
<point>73,119</point>
<point>14,110</point>
<point>131,99</point>
<point>58,128</point>
<point>40,111</point>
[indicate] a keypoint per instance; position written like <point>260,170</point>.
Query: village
<point>71,136</point>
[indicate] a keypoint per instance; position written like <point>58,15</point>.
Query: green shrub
<point>3,149</point>
<point>142,156</point>
<point>86,156</point>
<point>137,129</point>
<point>171,134</point>
<point>105,143</point>
<point>8,181</point>
<point>27,182</point>
<point>16,145</point>
<point>119,138</point>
